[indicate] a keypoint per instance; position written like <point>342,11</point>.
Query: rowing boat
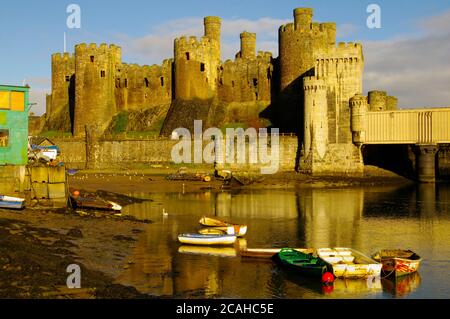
<point>267,253</point>
<point>349,263</point>
<point>94,203</point>
<point>301,263</point>
<point>398,262</point>
<point>228,228</point>
<point>199,239</point>
<point>8,202</point>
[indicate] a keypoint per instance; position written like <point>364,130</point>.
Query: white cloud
<point>415,69</point>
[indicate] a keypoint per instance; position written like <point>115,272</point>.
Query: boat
<point>7,202</point>
<point>301,263</point>
<point>237,230</point>
<point>267,253</point>
<point>94,203</point>
<point>230,228</point>
<point>207,250</point>
<point>349,263</point>
<point>398,262</point>
<point>208,240</point>
<point>401,286</point>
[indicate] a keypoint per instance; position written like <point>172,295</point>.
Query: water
<point>367,219</point>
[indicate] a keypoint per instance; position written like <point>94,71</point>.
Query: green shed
<point>14,125</point>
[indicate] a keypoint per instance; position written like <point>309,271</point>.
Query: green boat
<point>302,264</point>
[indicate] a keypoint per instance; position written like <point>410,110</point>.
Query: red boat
<point>398,262</point>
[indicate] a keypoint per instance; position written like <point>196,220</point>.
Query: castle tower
<point>248,46</point>
<point>315,138</point>
<point>196,63</point>
<point>299,44</point>
<point>303,18</point>
<point>358,106</point>
<point>377,100</point>
<point>95,102</point>
<point>63,70</point>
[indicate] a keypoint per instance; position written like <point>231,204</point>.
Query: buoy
<point>327,278</point>
<point>76,193</point>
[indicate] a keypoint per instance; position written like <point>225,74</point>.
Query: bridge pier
<point>426,162</point>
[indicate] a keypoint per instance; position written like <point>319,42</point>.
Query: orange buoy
<point>76,193</point>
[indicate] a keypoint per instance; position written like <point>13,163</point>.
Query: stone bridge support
<point>426,162</point>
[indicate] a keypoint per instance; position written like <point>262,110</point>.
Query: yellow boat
<point>349,263</point>
<point>228,228</point>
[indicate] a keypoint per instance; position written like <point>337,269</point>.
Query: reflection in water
<point>402,286</point>
<point>367,219</point>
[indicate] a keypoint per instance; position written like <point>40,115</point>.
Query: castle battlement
<point>192,41</point>
<point>62,56</point>
<point>312,83</point>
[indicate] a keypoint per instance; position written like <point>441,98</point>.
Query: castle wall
<point>246,80</point>
<point>95,69</point>
<point>142,87</point>
<point>380,101</point>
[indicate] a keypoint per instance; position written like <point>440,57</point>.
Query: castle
<point>313,88</point>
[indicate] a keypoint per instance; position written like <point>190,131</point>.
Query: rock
<point>75,233</point>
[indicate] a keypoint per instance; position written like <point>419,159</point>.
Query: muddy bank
<point>36,247</point>
<point>154,180</point>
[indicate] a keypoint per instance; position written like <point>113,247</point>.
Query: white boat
<point>208,240</point>
<point>349,263</point>
<point>7,202</point>
<point>11,199</point>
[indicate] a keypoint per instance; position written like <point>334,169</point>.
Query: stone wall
<point>138,153</point>
<point>444,161</point>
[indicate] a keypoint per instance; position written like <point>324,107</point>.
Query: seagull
<point>165,214</point>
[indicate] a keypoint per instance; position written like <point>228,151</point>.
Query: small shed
<point>14,125</point>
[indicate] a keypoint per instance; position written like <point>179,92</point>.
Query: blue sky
<point>31,31</point>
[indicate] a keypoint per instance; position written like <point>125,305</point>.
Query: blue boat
<point>7,202</point>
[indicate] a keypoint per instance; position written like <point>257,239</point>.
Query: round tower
<point>213,26</point>
<point>377,100</point>
<point>95,102</point>
<point>315,116</point>
<point>358,109</point>
<point>303,18</point>
<point>248,45</point>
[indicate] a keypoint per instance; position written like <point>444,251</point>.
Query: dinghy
<point>349,263</point>
<point>301,264</point>
<point>398,262</point>
<point>7,202</point>
<point>229,228</point>
<point>208,240</point>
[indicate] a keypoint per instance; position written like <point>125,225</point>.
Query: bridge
<point>423,128</point>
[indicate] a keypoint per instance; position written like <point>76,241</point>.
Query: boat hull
<point>207,240</point>
<point>11,205</point>
<point>228,228</point>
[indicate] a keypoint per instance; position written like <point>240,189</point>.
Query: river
<point>368,219</point>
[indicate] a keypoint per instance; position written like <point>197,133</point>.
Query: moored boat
<point>349,263</point>
<point>267,253</point>
<point>301,263</point>
<point>94,203</point>
<point>229,228</point>
<point>7,202</point>
<point>199,239</point>
<point>398,262</point>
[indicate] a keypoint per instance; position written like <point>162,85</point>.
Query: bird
<point>165,214</point>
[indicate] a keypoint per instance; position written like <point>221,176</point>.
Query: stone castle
<point>313,88</point>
